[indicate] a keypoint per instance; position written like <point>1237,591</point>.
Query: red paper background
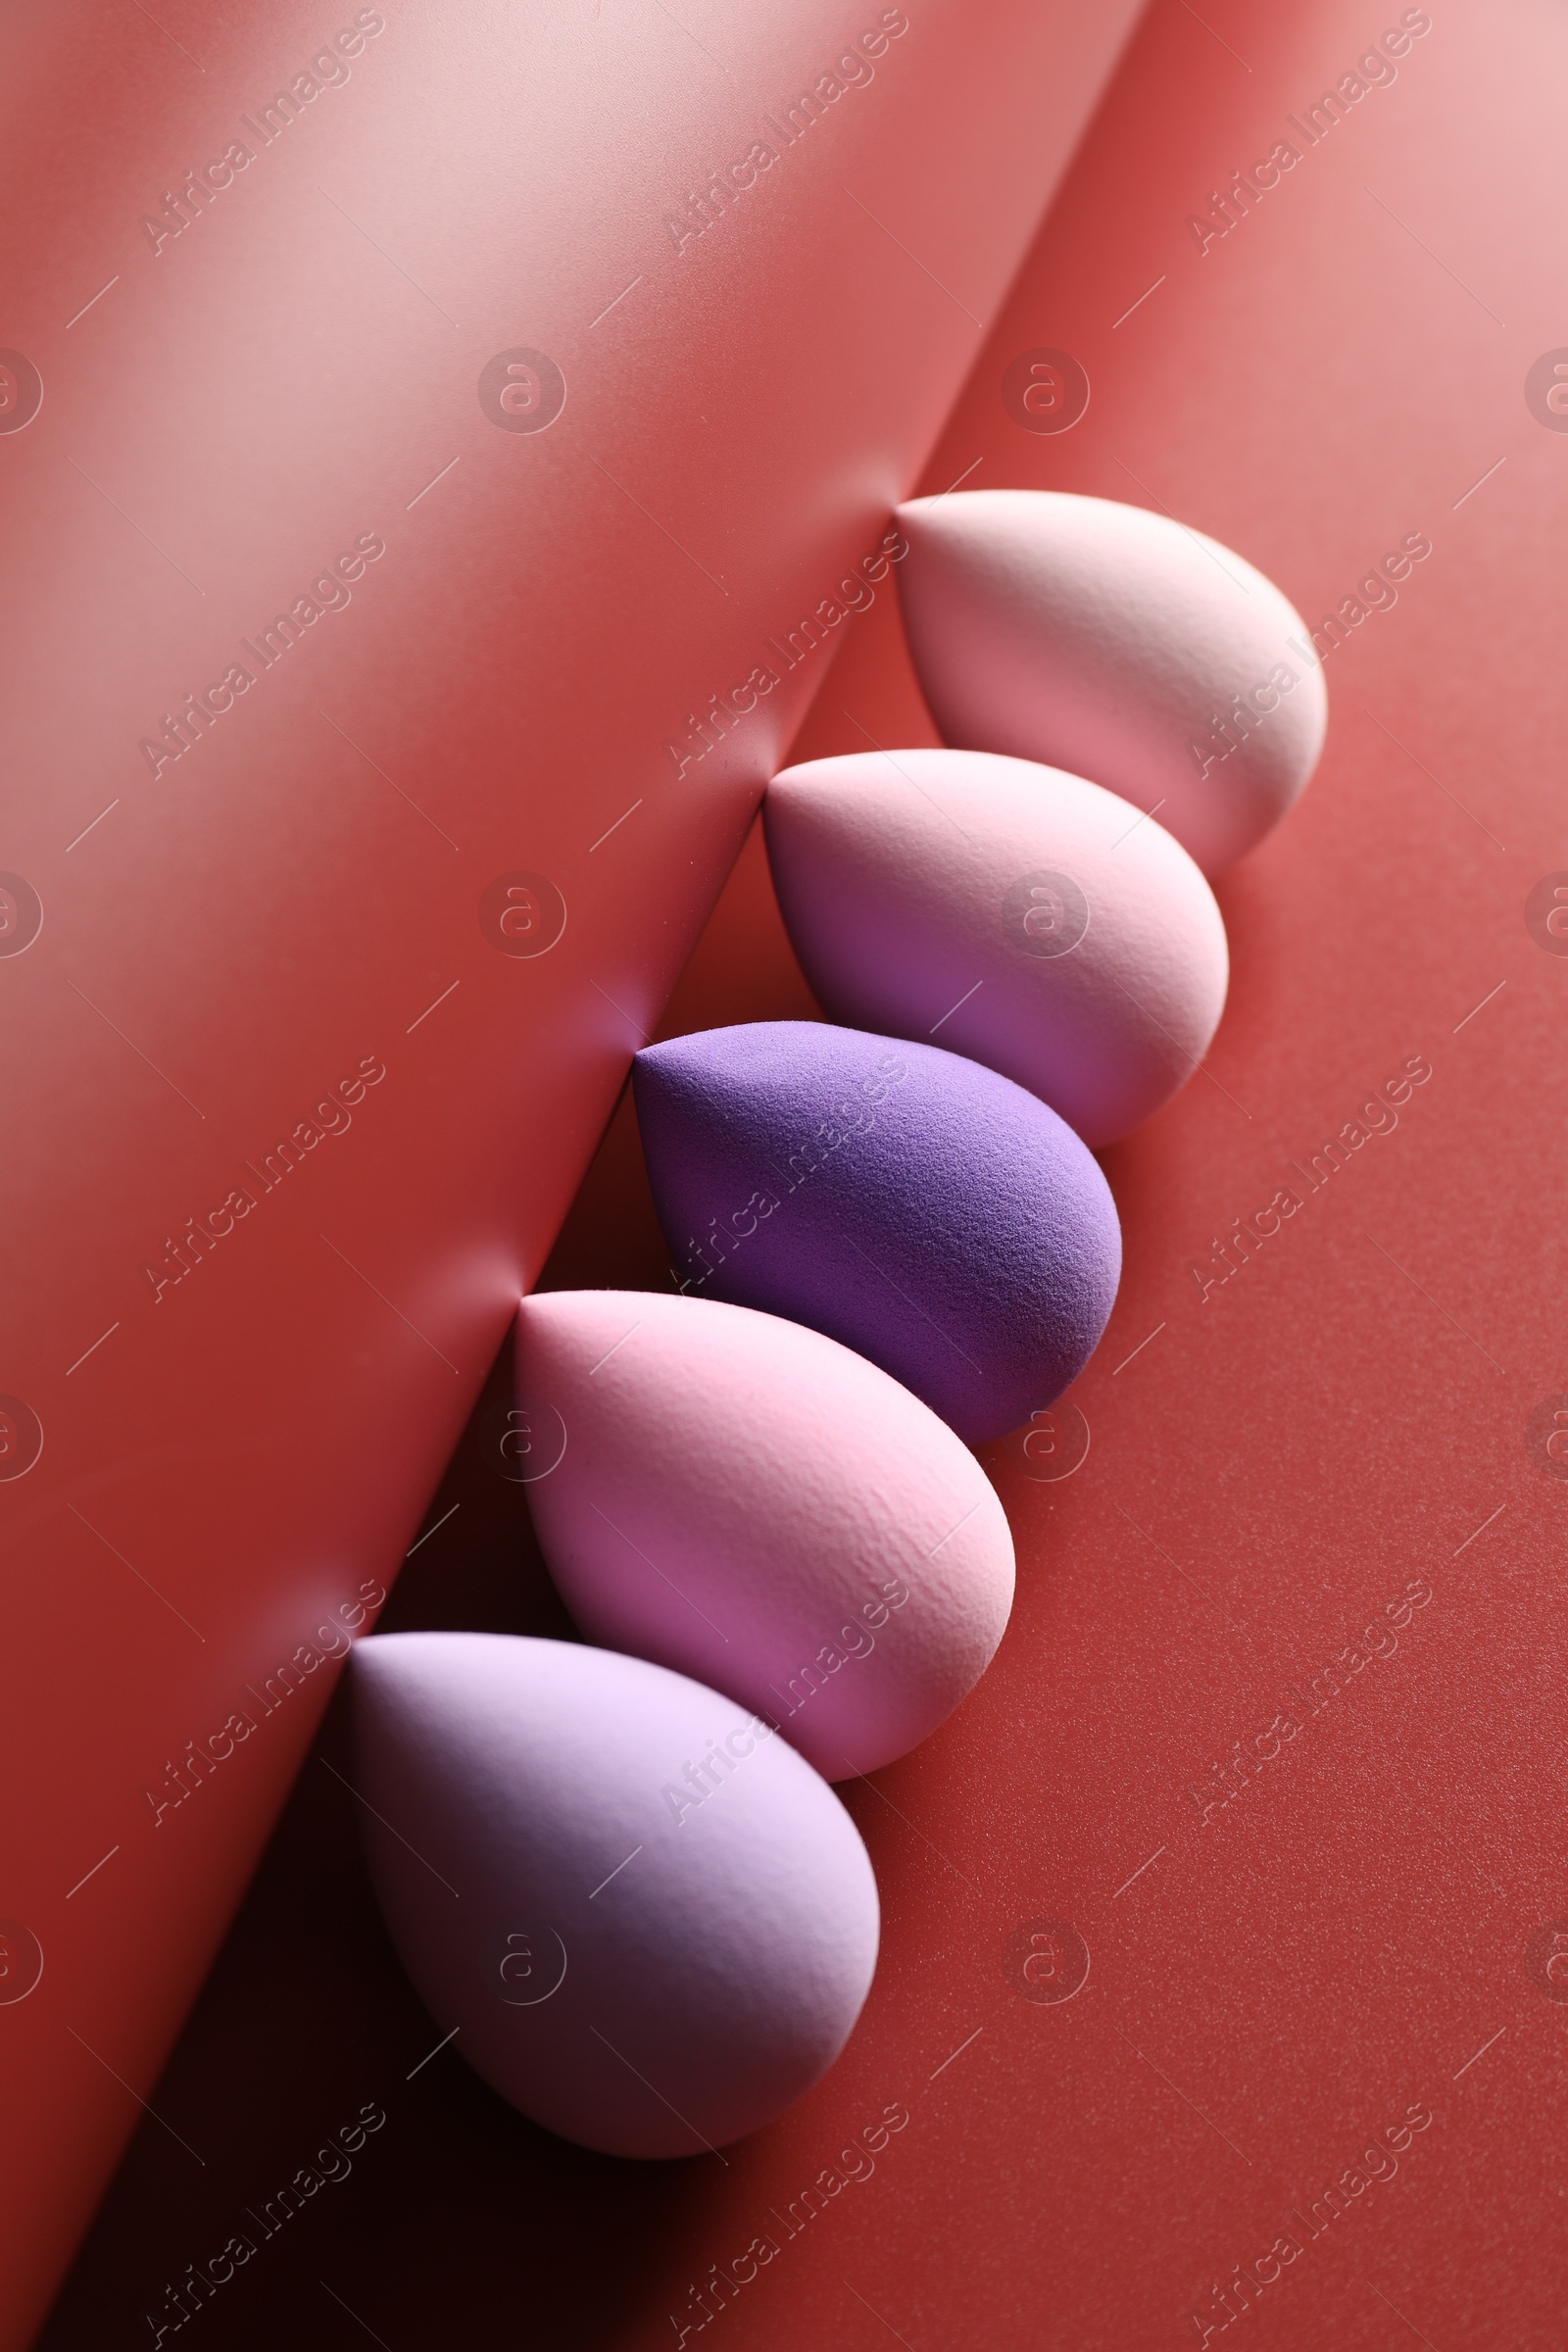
<point>1361,1928</point>
<point>226,410</point>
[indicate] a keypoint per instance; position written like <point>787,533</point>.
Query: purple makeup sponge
<point>749,1502</point>
<point>921,1209</point>
<point>649,1922</point>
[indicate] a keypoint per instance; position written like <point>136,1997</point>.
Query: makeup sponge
<point>649,1922</point>
<point>1030,919</point>
<point>750,1503</point>
<point>1118,645</point>
<point>924,1211</point>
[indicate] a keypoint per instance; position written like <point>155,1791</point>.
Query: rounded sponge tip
<point>1118,645</point>
<point>752,1505</point>
<point>650,1922</point>
<point>1038,922</point>
<point>918,1208</point>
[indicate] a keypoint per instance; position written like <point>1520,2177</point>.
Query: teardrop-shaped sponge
<point>1118,645</point>
<point>1034,920</point>
<point>750,1503</point>
<point>650,1923</point>
<point>921,1209</point>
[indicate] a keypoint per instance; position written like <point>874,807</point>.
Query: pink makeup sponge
<point>650,1924</point>
<point>1118,644</point>
<point>1030,920</point>
<point>750,1503</point>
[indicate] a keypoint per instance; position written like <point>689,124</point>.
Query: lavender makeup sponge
<point>650,1922</point>
<point>1033,918</point>
<point>750,1503</point>
<point>924,1211</point>
<point>1118,645</point>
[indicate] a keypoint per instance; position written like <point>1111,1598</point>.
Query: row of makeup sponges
<point>618,1873</point>
<point>1019,937</point>
<point>890,1237</point>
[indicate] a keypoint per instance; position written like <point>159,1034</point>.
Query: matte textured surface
<point>755,1506</point>
<point>653,1924</point>
<point>1122,646</point>
<point>1039,924</point>
<point>920,1208</point>
<point>464,821</point>
<point>1373,1922</point>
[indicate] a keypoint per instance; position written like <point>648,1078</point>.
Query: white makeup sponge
<point>1120,645</point>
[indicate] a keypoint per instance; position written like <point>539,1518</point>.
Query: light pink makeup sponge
<point>752,1503</point>
<point>651,1925</point>
<point>1120,645</point>
<point>1007,912</point>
